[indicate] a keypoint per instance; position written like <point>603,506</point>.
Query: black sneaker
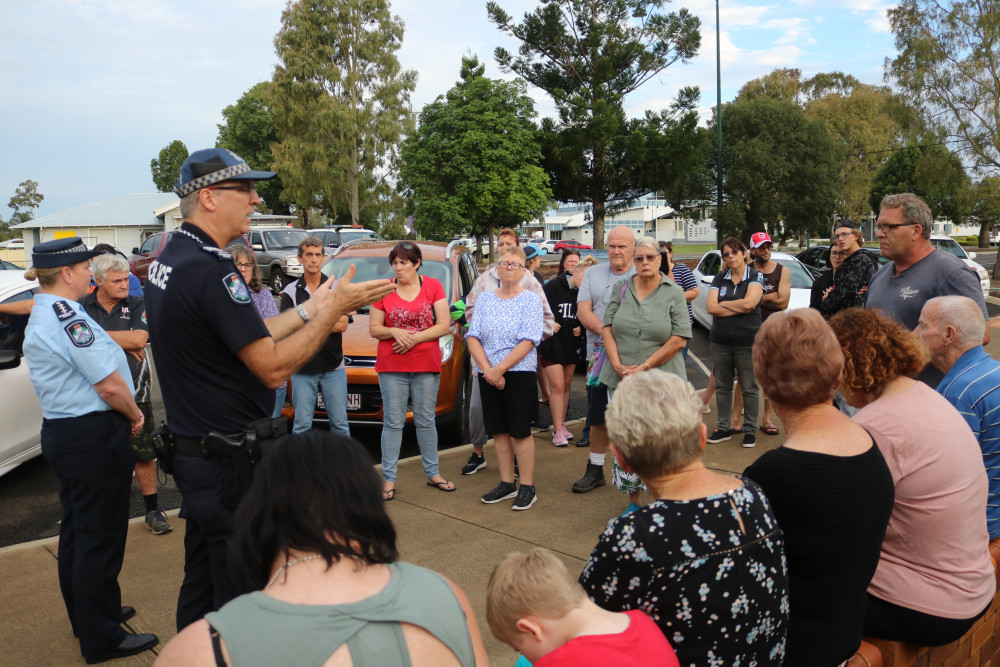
<point>593,478</point>
<point>750,440</point>
<point>475,463</point>
<point>526,497</point>
<point>157,522</point>
<point>718,435</point>
<point>502,491</point>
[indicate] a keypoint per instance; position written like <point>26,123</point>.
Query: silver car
<point>711,264</point>
<point>20,412</point>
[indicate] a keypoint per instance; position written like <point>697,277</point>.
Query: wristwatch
<point>303,313</point>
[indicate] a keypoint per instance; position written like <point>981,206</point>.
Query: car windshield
<point>285,239</point>
<point>800,278</point>
<point>950,246</point>
<point>355,234</point>
<point>373,268</point>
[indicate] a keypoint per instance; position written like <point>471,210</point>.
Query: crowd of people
<point>883,388</point>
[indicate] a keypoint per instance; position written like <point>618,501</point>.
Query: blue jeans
<point>279,400</point>
<point>421,389</point>
<point>304,389</point>
<point>728,362</point>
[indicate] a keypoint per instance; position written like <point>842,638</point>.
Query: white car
<point>951,246</point>
<point>548,245</point>
<point>711,264</point>
<point>20,412</point>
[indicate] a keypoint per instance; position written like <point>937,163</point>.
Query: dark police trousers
<point>93,459</point>
<point>209,528</point>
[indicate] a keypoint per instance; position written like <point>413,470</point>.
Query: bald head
<point>949,327</point>
<point>621,245</point>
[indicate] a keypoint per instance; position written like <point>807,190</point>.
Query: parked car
<point>571,243</point>
<point>9,266</point>
<point>276,250</point>
<point>453,265</point>
<point>334,237</point>
<point>12,244</point>
<point>147,253</point>
<point>20,412</point>
<point>545,245</point>
<point>711,264</point>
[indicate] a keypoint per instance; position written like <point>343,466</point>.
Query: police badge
<point>237,289</point>
<point>80,333</point>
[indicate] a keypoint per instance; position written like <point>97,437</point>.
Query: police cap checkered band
<point>214,165</point>
<point>61,252</point>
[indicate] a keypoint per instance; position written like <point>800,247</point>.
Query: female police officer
<point>83,383</point>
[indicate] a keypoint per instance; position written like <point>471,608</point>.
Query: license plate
<point>353,402</point>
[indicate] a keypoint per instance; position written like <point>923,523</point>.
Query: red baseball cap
<point>759,239</point>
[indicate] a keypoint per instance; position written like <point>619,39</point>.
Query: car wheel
<point>454,429</point>
<point>278,281</point>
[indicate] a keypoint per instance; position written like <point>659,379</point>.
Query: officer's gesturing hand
<point>347,296</point>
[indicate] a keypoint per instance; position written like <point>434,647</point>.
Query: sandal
<point>770,429</point>
<point>388,494</point>
<point>443,485</point>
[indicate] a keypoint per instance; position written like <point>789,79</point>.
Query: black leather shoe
<point>583,443</point>
<point>131,645</point>
<point>127,613</point>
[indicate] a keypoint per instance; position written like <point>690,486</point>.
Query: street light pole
<point>718,127</point>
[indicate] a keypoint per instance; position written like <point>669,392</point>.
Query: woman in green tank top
<point>314,553</point>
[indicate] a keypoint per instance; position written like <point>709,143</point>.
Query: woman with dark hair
<point>934,578</point>
<point>823,284</point>
<point>262,300</point>
<point>315,554</point>
<point>680,274</point>
<point>407,324</point>
<point>857,271</point>
<point>734,304</point>
<point>828,484</point>
<point>567,262</point>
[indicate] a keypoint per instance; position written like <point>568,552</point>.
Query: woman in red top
<point>407,325</point>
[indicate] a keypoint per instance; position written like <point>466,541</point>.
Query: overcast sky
<point>91,90</point>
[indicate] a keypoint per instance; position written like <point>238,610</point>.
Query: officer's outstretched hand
<point>347,296</point>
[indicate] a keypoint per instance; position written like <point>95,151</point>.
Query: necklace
<point>294,561</point>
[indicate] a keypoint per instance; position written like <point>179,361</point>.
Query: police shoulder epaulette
<point>220,255</point>
<point>63,310</point>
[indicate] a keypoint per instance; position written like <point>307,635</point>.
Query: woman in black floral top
<point>706,559</point>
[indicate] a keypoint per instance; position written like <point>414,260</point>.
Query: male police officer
<point>218,362</point>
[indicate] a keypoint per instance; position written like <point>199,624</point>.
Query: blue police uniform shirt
<point>67,354</point>
<point>199,314</point>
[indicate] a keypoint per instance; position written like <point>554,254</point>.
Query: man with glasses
<point>918,272</point>
<point>218,362</point>
<point>489,280</point>
<point>777,292</point>
<point>591,303</point>
<point>855,273</point>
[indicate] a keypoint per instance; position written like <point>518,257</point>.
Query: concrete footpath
<point>452,533</point>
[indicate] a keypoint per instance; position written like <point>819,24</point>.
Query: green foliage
<point>985,208</point>
<point>932,172</point>
<point>781,84</point>
<point>25,200</point>
<point>778,167</point>
<point>167,166</point>
<point>340,103</point>
<point>949,65</point>
<point>472,164</point>
<point>247,129</point>
<point>588,55</point>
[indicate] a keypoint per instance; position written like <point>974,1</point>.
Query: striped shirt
<point>973,387</point>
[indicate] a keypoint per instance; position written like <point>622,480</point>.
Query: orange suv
<point>454,266</point>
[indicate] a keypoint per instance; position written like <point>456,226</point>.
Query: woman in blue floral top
<point>706,559</point>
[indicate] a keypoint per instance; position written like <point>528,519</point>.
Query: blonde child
<point>537,608</point>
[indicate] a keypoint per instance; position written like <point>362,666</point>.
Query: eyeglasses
<point>838,253</point>
<point>732,254</point>
<point>247,189</point>
<point>843,235</point>
<point>638,259</point>
<point>510,265</point>
<point>241,265</point>
<point>766,246</point>
<point>884,227</point>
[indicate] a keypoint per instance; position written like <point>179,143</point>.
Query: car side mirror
<point>135,250</point>
<point>707,279</point>
<point>9,359</point>
<point>256,246</point>
<point>972,255</point>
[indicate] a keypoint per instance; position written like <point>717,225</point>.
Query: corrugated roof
<point>132,210</point>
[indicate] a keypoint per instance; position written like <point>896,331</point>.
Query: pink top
<point>413,316</point>
<point>934,557</point>
<point>641,643</point>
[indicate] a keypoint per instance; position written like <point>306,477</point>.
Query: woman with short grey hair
<point>707,555</point>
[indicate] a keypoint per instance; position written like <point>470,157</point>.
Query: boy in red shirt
<point>537,608</point>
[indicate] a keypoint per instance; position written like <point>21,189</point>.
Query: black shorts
<point>597,404</point>
<point>509,410</point>
<point>142,442</point>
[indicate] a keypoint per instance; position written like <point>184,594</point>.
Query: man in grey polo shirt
<point>918,271</point>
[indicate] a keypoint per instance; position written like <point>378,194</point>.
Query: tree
<point>932,172</point>
<point>340,102</point>
<point>247,129</point>
<point>949,65</point>
<point>25,201</point>
<point>473,165</point>
<point>167,166</point>
<point>588,55</point>
<point>985,209</point>
<point>780,169</point>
